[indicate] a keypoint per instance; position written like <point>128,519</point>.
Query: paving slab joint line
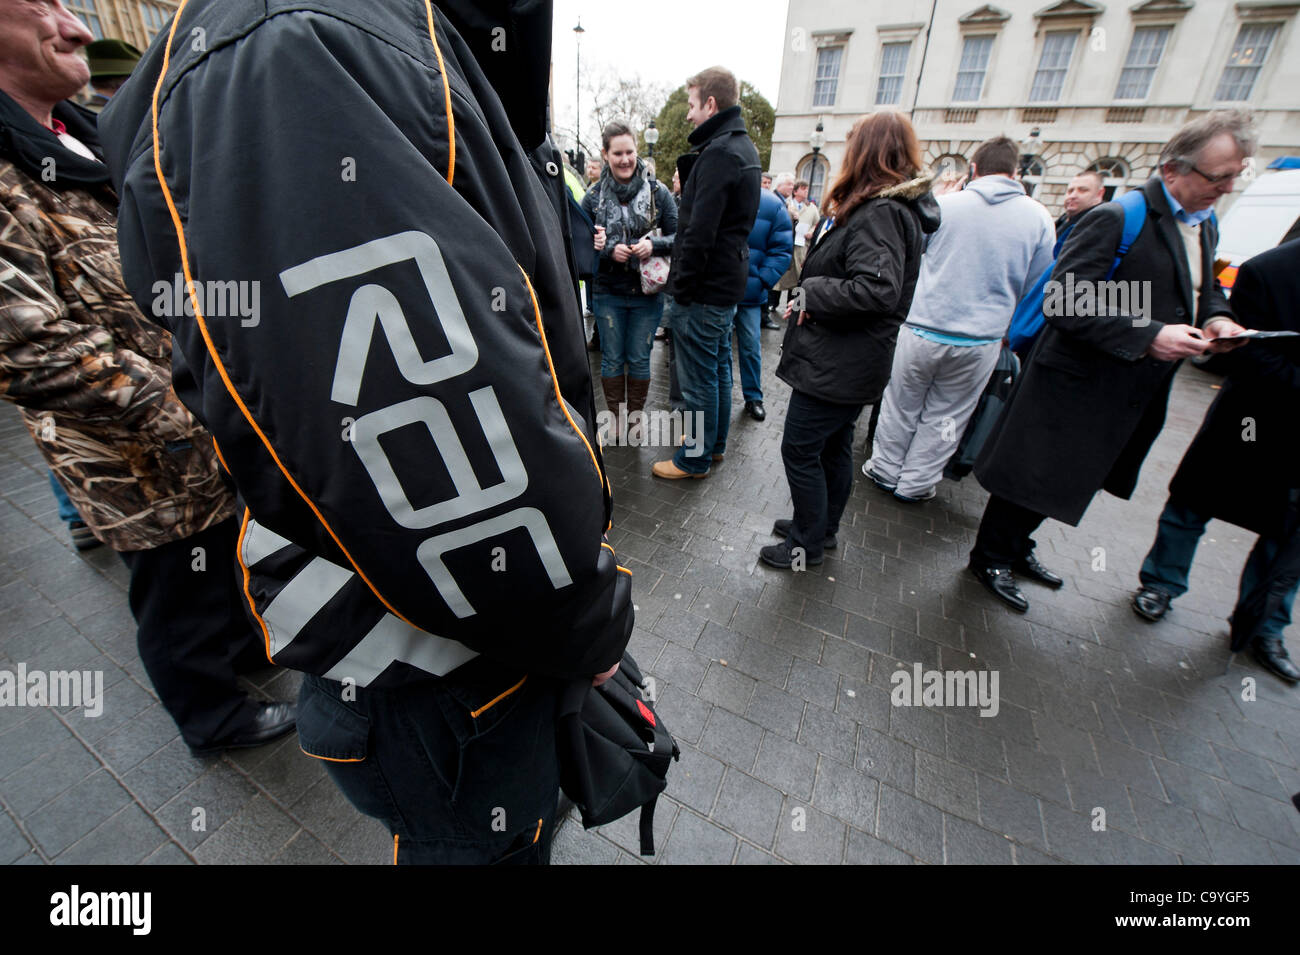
<point>225,758</point>
<point>121,782</point>
<point>31,840</point>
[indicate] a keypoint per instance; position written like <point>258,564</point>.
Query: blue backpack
<point>1027,321</point>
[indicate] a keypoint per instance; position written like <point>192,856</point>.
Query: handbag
<point>614,750</point>
<point>654,270</point>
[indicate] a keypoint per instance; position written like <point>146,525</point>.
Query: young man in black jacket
<point>720,189</point>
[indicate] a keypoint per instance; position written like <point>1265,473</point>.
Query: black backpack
<point>614,750</point>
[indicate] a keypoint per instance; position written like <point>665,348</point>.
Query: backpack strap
<point>648,827</point>
<point>1135,217</point>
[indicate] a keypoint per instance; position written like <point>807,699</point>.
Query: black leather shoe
<point>782,529</point>
<point>1031,568</point>
<point>271,721</point>
<point>770,322</point>
<point>755,410</point>
<point>1152,604</point>
<point>1271,654</point>
<point>781,556</point>
<point>1001,583</point>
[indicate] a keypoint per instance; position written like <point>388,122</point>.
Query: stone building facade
<point>135,21</point>
<point>1079,84</point>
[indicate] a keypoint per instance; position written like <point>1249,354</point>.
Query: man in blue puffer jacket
<point>771,248</point>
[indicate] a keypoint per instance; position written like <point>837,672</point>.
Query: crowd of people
<point>907,289</point>
<point>430,660</point>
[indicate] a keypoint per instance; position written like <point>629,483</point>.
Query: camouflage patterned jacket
<point>92,375</point>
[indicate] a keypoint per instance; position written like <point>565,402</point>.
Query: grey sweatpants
<point>932,392</point>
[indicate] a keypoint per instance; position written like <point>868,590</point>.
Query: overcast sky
<point>666,41</point>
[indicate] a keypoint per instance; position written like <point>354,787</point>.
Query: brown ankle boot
<point>637,388</point>
<point>615,402</point>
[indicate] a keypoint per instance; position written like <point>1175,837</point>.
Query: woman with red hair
<point>853,294</point>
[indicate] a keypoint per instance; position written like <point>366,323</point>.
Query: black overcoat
<point>1246,457</point>
<point>1090,403</point>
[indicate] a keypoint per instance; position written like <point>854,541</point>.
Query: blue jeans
<point>702,341</point>
<point>1170,560</point>
<point>749,353</point>
<point>627,332</point>
<point>67,510</point>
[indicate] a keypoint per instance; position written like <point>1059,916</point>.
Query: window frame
<point>1154,69</point>
<point>900,76</point>
<point>992,38</point>
<point>1243,25</point>
<point>826,48</point>
<point>1063,71</point>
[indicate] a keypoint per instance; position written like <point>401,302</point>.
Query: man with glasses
<point>1089,406</point>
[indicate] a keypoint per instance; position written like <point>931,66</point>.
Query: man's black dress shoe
<point>782,529</point>
<point>1152,604</point>
<point>1271,654</point>
<point>1001,583</point>
<point>769,322</point>
<point>1031,568</point>
<point>781,556</point>
<point>271,721</point>
<point>755,410</point>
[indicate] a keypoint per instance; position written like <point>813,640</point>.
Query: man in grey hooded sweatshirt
<point>994,241</point>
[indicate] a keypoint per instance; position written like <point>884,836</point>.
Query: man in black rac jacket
<point>1244,464</point>
<point>409,417</point>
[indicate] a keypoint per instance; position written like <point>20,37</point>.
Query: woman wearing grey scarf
<point>626,204</point>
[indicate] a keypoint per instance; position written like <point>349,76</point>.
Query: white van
<point>1265,214</point>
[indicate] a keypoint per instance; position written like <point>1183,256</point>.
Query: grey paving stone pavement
<point>1116,741</point>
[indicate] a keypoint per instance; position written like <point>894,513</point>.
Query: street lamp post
<point>578,31</point>
<point>651,137</point>
<point>1028,150</point>
<point>817,140</point>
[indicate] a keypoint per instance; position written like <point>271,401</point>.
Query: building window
<point>828,75</point>
<point>1114,174</point>
<point>816,170</point>
<point>1248,55</point>
<point>975,52</point>
<point>87,14</point>
<point>1144,54</point>
<point>154,16</point>
<point>1053,64</point>
<point>893,64</point>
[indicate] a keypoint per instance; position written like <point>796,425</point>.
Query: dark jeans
<point>193,633</point>
<point>1003,539</point>
<point>817,449</point>
<point>749,350</point>
<point>702,344</point>
<point>462,770</point>
<point>1169,562</point>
